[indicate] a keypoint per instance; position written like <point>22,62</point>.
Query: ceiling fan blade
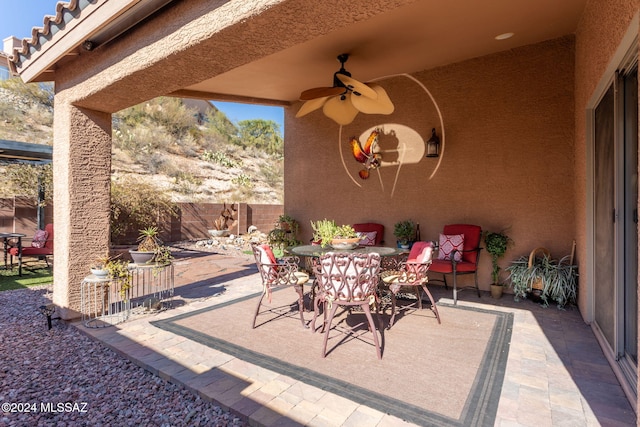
<point>357,87</point>
<point>320,92</point>
<point>311,105</point>
<point>341,111</point>
<point>381,105</point>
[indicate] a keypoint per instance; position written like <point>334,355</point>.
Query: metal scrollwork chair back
<point>276,273</point>
<point>346,280</point>
<point>412,273</point>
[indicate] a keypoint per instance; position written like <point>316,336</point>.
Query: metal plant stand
<point>152,285</point>
<point>101,302</point>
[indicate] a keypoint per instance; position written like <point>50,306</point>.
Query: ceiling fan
<point>346,98</point>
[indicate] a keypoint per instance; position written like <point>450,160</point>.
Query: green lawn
<point>9,279</point>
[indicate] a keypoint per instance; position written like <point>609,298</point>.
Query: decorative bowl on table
<point>344,244</point>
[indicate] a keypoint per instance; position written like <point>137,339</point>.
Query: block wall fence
<point>19,215</point>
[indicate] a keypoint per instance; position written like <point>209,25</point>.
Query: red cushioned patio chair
<point>455,260</point>
<point>412,274</point>
<point>275,274</point>
<point>36,250</point>
<point>369,228</point>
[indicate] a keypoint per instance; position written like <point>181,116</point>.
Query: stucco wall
<point>507,162</point>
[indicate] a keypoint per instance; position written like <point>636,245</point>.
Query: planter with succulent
<point>557,279</point>
<point>118,271</point>
<point>114,269</point>
<point>287,223</point>
<point>405,231</point>
<point>327,232</point>
<point>99,268</point>
<point>150,248</point>
<point>496,245</point>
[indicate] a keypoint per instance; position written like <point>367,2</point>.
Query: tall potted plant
<point>496,245</point>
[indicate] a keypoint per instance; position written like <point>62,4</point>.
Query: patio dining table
<point>389,257</point>
<point>5,237</point>
<point>316,251</point>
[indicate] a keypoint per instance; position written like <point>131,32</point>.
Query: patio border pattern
<point>479,409</point>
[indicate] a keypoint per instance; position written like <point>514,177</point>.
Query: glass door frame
<point>625,58</point>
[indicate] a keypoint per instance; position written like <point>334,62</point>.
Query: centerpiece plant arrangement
<point>496,244</point>
<point>327,232</point>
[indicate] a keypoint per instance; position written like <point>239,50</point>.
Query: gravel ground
<point>62,378</point>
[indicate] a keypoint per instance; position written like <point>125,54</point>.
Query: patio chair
<point>413,274</point>
<point>373,233</point>
<point>458,254</point>
<point>347,280</point>
<point>41,247</point>
<point>275,274</point>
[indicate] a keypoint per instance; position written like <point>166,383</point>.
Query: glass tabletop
<point>10,235</point>
<point>317,250</point>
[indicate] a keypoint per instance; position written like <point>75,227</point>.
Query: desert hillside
<point>188,149</point>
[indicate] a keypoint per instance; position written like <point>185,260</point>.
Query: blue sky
<point>17,17</point>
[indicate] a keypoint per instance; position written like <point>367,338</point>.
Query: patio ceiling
<point>420,35</point>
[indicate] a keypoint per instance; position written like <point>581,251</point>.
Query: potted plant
<point>287,223</point>
<point>283,235</point>
<point>150,248</point>
<point>114,269</point>
<point>496,245</point>
<point>345,237</point>
<point>327,232</point>
<point>99,268</point>
<point>405,231</point>
<point>118,270</point>
<point>557,279</point>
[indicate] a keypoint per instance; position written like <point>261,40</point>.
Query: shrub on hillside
<point>22,180</point>
<point>37,93</point>
<point>136,205</point>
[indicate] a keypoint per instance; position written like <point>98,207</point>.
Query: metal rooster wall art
<point>367,155</point>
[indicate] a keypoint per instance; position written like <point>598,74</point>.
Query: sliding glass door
<point>615,219</point>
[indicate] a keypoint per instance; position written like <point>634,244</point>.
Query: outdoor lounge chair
<point>37,249</point>
<point>412,273</point>
<point>458,253</point>
<point>274,274</point>
<point>346,280</point>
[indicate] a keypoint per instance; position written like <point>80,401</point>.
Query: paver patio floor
<point>556,373</point>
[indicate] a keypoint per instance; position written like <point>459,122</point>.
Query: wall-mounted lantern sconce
<point>433,145</point>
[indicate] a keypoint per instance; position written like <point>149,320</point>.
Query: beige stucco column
<point>81,174</point>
